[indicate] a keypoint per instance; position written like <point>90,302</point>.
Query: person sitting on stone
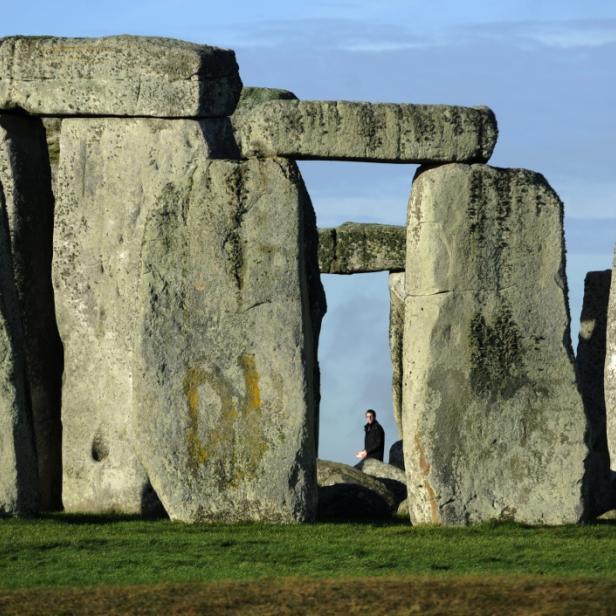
<point>374,439</point>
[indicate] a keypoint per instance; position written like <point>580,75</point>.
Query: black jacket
<point>374,440</point>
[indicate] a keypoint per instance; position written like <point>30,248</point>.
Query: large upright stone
<point>378,132</point>
<point>25,176</point>
<point>19,494</point>
<point>610,370</point>
<point>396,337</point>
<point>590,359</point>
<point>117,76</point>
<point>354,248</point>
<point>224,368</point>
<point>110,174</point>
<point>493,421</point>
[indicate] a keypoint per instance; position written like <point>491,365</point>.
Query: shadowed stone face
<point>19,495</point>
<point>381,132</point>
<point>590,359</point>
<point>117,76</point>
<point>396,336</point>
<point>493,422</point>
<point>25,175</point>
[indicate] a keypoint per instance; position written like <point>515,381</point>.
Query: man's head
<point>370,416</point>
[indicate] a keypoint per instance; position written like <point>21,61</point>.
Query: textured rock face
<point>224,366</point>
<point>117,76</point>
<point>396,336</point>
<point>109,179</point>
<point>251,96</point>
<point>493,422</point>
<point>393,478</point>
<point>342,130</point>
<point>610,372</point>
<point>25,177</point>
<point>18,466</point>
<point>590,360</point>
<point>353,248</point>
<point>347,493</point>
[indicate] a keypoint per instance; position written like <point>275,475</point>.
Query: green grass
<point>76,551</point>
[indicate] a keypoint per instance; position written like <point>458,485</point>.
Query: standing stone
<point>354,248</point>
<point>610,371</point>
<point>493,421</point>
<point>117,76</point>
<point>379,132</point>
<point>396,334</point>
<point>224,367</point>
<point>25,176</point>
<point>109,175</point>
<point>19,494</point>
<point>590,360</point>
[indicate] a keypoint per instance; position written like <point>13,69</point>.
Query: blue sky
<point>545,67</point>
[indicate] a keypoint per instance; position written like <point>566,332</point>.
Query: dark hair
<point>371,411</point>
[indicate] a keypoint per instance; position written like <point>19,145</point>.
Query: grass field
<point>95,565</point>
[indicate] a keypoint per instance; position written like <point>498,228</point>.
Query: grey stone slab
<point>377,132</point>
<point>346,493</point>
<point>354,248</point>
<point>25,176</point>
<point>396,341</point>
<point>19,494</point>
<point>224,366</point>
<point>590,359</point>
<point>493,420</point>
<point>117,76</point>
<point>110,175</point>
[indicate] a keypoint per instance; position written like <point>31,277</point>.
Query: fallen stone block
<point>377,132</point>
<point>348,493</point>
<point>354,248</point>
<point>19,494</point>
<point>26,180</point>
<point>590,359</point>
<point>117,76</point>
<point>391,476</point>
<point>493,420</point>
<point>396,336</point>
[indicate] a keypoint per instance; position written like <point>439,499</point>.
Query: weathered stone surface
<point>403,509</point>
<point>224,367</point>
<point>391,476</point>
<point>610,372</point>
<point>347,493</point>
<point>53,127</point>
<point>354,248</point>
<point>109,178</point>
<point>376,468</point>
<point>24,173</point>
<point>251,96</point>
<point>493,421</point>
<point>396,455</point>
<point>18,466</point>
<point>117,76</point>
<point>341,130</point>
<point>590,360</point>
<point>396,337</point>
